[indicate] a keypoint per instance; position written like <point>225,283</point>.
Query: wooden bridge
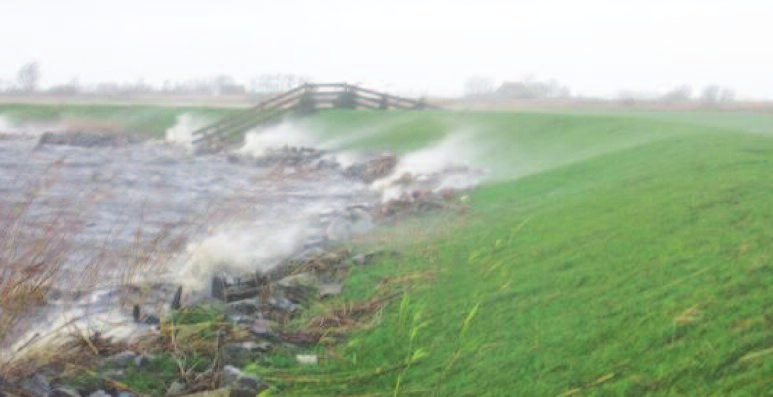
<point>229,132</point>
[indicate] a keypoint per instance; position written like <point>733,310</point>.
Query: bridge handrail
<point>275,106</point>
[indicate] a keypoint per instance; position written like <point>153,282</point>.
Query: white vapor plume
<point>5,125</point>
<point>256,142</point>
<point>240,249</point>
<point>457,149</point>
<point>182,132</point>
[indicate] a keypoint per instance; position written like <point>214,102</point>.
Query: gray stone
<point>121,360</point>
<point>261,328</point>
<point>100,393</point>
<point>36,385</point>
<point>283,304</point>
<point>241,318</point>
<point>126,394</point>
<point>240,383</point>
<point>152,319</point>
<point>86,139</point>
<point>299,287</point>
<point>244,347</point>
<point>245,306</point>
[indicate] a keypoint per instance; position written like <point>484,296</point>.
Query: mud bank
<point>146,219</point>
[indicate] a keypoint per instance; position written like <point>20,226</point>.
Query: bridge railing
<point>305,98</point>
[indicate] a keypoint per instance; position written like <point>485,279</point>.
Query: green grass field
<point>611,254</point>
<point>151,121</point>
<point>627,255</point>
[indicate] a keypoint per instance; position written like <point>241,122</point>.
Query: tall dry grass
<point>33,249</point>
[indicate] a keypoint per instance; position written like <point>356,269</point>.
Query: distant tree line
<point>529,88</point>
<point>481,87</point>
<point>710,94</point>
<point>28,79</point>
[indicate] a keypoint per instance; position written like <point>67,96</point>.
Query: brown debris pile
<point>411,194</point>
<point>290,157</point>
<point>373,169</point>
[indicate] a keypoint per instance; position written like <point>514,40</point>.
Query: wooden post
<point>384,103</point>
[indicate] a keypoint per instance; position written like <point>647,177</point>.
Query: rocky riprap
<point>257,305</point>
<point>87,139</point>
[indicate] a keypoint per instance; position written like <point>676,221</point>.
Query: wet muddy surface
<point>139,220</point>
<point>157,201</point>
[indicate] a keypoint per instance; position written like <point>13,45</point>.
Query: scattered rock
<point>121,360</point>
<point>248,347</point>
<point>374,169</point>
<point>36,385</point>
<point>261,328</point>
<point>241,318</point>
<point>100,393</point>
<point>86,139</point>
<point>151,319</point>
<point>245,306</point>
<point>299,287</point>
<point>296,158</point>
<point>239,354</point>
<point>241,384</point>
<point>283,304</point>
<point>126,394</point>
<point>64,392</point>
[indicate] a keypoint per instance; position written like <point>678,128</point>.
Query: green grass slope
<point>151,121</point>
<point>636,261</point>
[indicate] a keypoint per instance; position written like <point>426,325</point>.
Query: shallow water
<point>120,199</point>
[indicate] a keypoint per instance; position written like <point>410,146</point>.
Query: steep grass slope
<point>150,121</point>
<point>636,261</point>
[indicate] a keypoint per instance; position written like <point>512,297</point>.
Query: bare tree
<point>679,94</point>
<point>727,95</point>
<point>710,94</point>
<point>28,77</point>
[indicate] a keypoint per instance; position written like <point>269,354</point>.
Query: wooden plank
<point>368,105</point>
<point>324,96</point>
<point>329,85</point>
<point>396,98</point>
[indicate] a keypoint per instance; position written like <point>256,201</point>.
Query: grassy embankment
<point>150,121</point>
<point>633,260</point>
<point>613,255</point>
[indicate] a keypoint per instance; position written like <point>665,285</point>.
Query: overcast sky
<point>596,47</point>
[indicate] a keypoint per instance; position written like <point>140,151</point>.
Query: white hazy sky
<point>596,47</point>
